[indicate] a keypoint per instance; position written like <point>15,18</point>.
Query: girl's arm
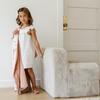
<point>35,54</point>
<point>33,33</point>
<point>12,36</point>
<point>16,31</point>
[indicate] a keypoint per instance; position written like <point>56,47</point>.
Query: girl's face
<point>23,17</point>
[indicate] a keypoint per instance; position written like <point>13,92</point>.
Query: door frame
<point>60,23</point>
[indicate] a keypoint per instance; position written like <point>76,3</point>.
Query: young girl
<point>27,40</point>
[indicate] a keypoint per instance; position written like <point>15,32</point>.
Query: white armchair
<point>62,79</point>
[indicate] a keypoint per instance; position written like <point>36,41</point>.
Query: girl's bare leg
<point>28,89</point>
<point>32,78</point>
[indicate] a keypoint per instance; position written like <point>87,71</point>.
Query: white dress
<point>27,47</point>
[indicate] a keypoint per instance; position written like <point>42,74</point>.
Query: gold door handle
<point>65,23</point>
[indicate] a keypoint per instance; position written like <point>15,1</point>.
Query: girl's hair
<point>25,10</point>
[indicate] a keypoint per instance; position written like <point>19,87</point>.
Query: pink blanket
<point>19,72</point>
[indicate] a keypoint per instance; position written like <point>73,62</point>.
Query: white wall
<point>44,13</point>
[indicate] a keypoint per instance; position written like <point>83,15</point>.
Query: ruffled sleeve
<point>31,27</point>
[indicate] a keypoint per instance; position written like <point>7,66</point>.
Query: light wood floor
<point>10,94</point>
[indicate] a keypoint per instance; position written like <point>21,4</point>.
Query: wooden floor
<point>10,94</point>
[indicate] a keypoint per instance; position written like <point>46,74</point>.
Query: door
<point>82,37</point>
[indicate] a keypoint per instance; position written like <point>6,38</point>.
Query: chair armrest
<point>54,71</point>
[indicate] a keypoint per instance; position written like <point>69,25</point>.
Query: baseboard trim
<point>10,83</point>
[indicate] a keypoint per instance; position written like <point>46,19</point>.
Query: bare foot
<point>26,90</point>
<point>36,91</point>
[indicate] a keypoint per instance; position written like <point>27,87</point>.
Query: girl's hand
<point>16,31</point>
<point>41,55</point>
